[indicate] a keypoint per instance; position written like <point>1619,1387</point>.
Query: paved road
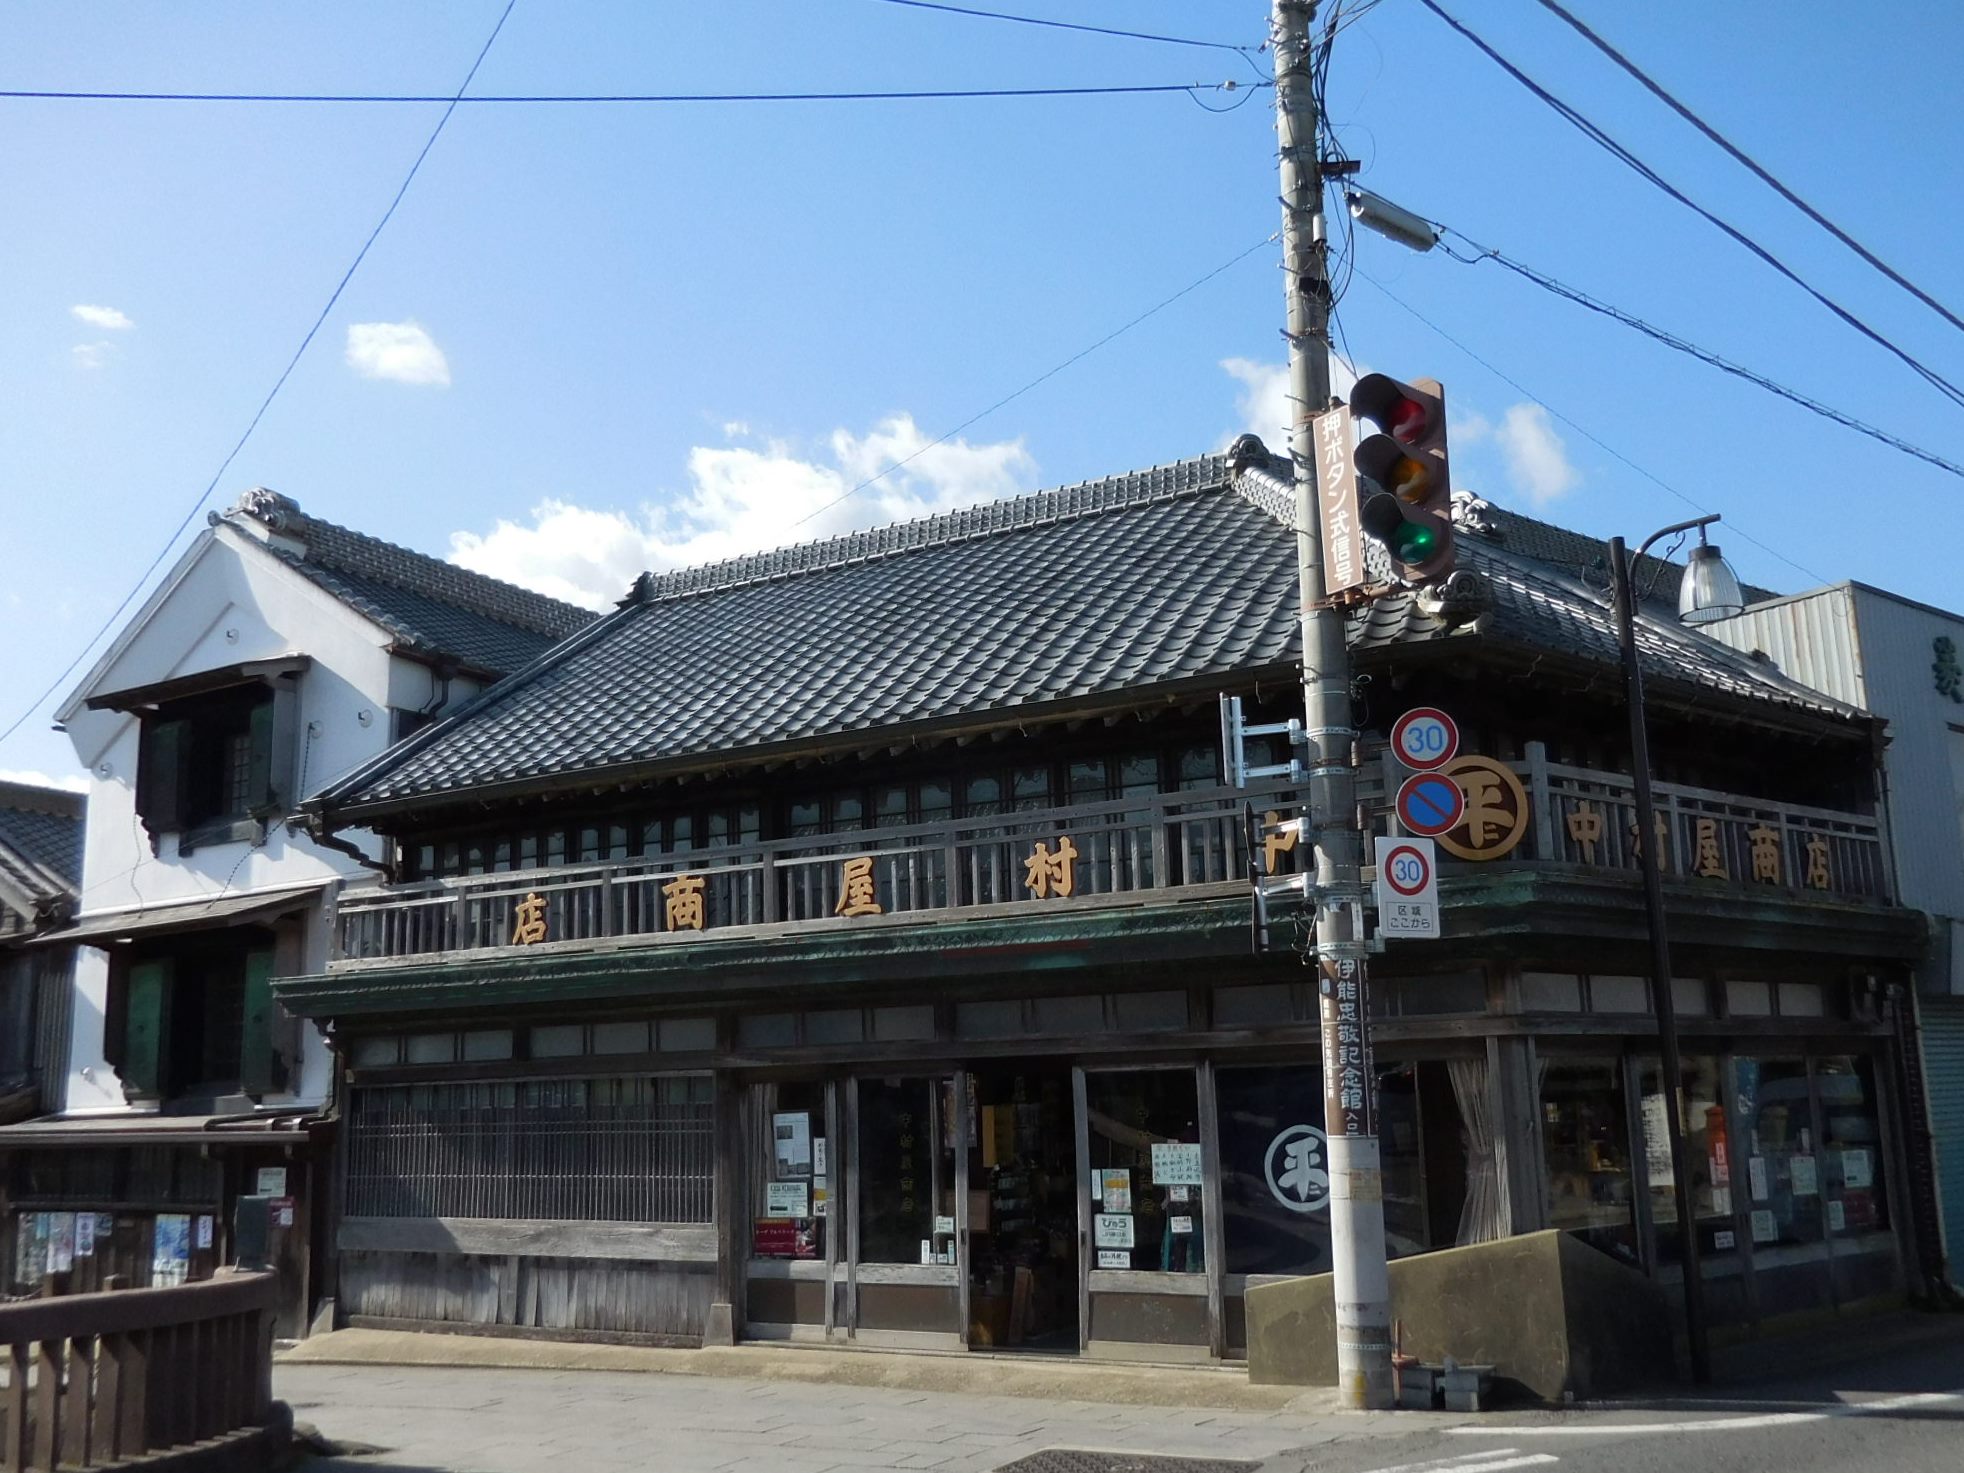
<point>1901,1409</point>
<point>516,1421</point>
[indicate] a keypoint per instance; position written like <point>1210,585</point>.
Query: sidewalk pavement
<point>467,1404</point>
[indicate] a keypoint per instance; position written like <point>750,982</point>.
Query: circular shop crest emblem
<point>1298,1169</point>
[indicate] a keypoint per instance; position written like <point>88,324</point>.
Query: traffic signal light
<point>1408,505</point>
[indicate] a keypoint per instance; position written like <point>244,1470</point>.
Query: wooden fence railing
<point>94,1379</point>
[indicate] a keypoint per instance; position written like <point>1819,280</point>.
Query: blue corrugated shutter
<point>1943,1070</point>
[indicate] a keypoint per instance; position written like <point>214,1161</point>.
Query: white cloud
<point>1533,455</point>
<point>106,318</point>
<point>744,499</point>
<point>89,355</point>
<point>399,351</point>
<point>68,782</point>
<point>1262,401</point>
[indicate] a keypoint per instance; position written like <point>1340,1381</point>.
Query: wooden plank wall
<point>605,1295</point>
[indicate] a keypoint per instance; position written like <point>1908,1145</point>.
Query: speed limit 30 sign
<point>1425,737</point>
<point>1408,889</point>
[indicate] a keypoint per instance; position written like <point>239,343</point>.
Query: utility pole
<point>1361,1282</point>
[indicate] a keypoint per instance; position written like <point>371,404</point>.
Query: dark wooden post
<point>75,1419</point>
<point>13,1448</point>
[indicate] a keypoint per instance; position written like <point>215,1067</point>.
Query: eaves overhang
<point>202,682</point>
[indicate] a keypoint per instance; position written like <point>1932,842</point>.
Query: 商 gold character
<point>682,903</point>
<point>1766,853</point>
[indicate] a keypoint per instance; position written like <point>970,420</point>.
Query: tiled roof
<point>40,846</point>
<point>1156,579</point>
<point>430,606</point>
<point>1583,556</point>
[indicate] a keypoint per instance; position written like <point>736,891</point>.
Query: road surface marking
<point>1723,1424</point>
<point>1487,1462</point>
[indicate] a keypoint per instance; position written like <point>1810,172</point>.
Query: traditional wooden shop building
<point>851,942</point>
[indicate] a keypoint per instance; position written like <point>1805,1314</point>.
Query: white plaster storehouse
<point>280,652</point>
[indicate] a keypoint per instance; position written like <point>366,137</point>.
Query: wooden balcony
<point>1161,846</point>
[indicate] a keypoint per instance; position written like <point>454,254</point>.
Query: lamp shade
<point>1710,589</point>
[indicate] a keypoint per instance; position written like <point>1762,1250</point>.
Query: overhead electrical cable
<point>1070,25</point>
<point>1586,434</point>
<point>1752,164</point>
<point>507,99</point>
<point>1596,135</point>
<point>1703,355</point>
<point>271,394</point>
<point>1045,376</point>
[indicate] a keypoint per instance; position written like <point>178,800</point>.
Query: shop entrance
<point>1022,1252</point>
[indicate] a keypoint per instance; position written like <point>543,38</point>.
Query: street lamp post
<point>1708,591</point>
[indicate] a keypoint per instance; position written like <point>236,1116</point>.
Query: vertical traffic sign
<point>1408,889</point>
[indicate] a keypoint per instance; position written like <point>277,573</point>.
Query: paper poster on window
<point>1806,1181</point>
<point>820,1197</point>
<point>943,1225</point>
<point>1756,1176</point>
<point>1112,1230</point>
<point>1765,1229</point>
<point>1115,1189</point>
<point>1657,1139</point>
<point>787,1199</point>
<point>1722,1201</point>
<point>29,1247</point>
<point>1856,1173</point>
<point>791,1134</point>
<point>1176,1163</point>
<point>204,1230</point>
<point>1723,1240</point>
<point>1837,1216</point>
<point>1179,1225</point>
<point>1114,1258</point>
<point>282,1210</point>
<point>170,1251</point>
<point>61,1242</point>
<point>271,1182</point>
<point>1179,1194</point>
<point>85,1235</point>
<point>818,1156</point>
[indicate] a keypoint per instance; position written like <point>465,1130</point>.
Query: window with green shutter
<point>146,1027</point>
<point>259,1061</point>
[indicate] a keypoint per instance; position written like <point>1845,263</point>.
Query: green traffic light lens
<point>1415,543</point>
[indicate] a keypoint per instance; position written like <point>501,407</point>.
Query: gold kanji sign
<point>529,920</point>
<point>1276,840</point>
<point>856,896</point>
<point>1585,826</point>
<point>1766,853</point>
<point>682,907</point>
<point>1711,858</point>
<point>1046,874</point>
<point>1496,817</point>
<point>1818,876</point>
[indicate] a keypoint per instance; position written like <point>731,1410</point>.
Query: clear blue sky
<point>676,332</point>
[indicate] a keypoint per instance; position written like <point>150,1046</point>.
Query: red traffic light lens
<point>1407,422</point>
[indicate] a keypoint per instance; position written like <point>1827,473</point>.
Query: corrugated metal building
<point>1905,661</point>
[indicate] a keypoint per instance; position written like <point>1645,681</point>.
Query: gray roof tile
<point>430,606</point>
<point>1150,579</point>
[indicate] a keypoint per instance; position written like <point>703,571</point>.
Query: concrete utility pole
<point>1363,1291</point>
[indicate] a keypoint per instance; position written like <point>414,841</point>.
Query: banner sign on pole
<point>1336,503</point>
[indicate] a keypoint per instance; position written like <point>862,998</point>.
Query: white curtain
<point>1479,1220</point>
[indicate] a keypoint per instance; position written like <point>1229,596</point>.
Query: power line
<point>1740,156</point>
<point>1043,377</point>
<point>395,98</point>
<point>1596,135</point>
<point>1703,355</point>
<point>1067,25</point>
<point>279,383</point>
<point>1600,444</point>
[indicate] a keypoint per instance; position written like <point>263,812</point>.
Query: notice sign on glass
<point>791,1133</point>
<point>1112,1230</point>
<point>1114,1258</point>
<point>1115,1189</point>
<point>1176,1163</point>
<point>786,1199</point>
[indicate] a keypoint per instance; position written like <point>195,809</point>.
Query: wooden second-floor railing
<point>92,1379</point>
<point>1153,843</point>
